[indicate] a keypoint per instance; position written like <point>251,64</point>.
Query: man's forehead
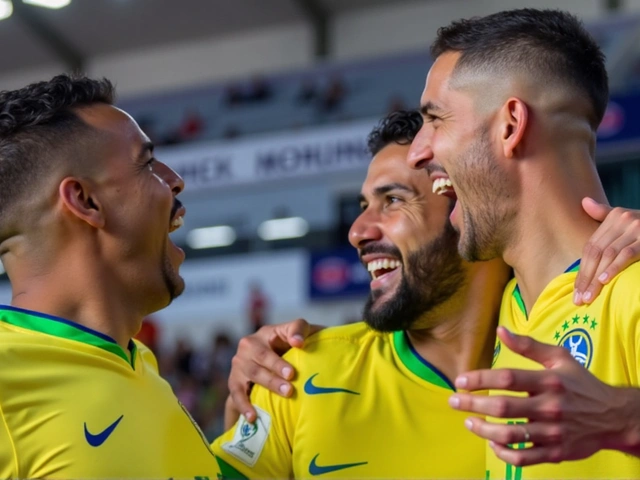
<point>111,120</point>
<point>439,75</point>
<point>390,167</point>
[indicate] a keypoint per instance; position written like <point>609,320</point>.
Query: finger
<point>297,331</point>
<point>530,381</point>
<point>545,354</point>
<point>615,258</point>
<point>239,395</point>
<point>528,456</point>
<point>231,413</point>
<point>626,257</point>
<point>594,253</point>
<point>596,210</point>
<point>515,434</point>
<point>251,372</point>
<point>273,362</point>
<point>252,351</point>
<point>535,408</point>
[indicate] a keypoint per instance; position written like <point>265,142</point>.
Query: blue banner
<point>337,274</point>
<point>619,131</point>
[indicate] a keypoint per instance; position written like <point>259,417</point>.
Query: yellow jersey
<point>366,405</point>
<point>74,404</point>
<point>603,336</point>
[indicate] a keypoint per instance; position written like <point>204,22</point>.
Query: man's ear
<point>514,116</point>
<point>76,196</point>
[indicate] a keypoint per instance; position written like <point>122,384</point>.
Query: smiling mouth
<point>443,186</point>
<point>382,266</point>
<point>176,223</point>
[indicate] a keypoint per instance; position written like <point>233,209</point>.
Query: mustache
<point>176,205</point>
<point>431,168</point>
<point>390,250</point>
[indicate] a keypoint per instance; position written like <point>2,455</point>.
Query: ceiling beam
<point>319,18</point>
<point>63,50</point>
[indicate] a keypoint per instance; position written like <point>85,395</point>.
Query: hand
<point>571,413</point>
<point>258,361</point>
<point>613,247</point>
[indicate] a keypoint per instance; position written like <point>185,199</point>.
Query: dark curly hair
<point>399,127</point>
<point>39,130</point>
<point>550,45</point>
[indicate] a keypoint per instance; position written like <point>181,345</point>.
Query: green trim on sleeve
<point>227,472</point>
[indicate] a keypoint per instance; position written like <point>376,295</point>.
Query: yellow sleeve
<point>264,449</point>
<point>626,302</point>
<point>8,455</point>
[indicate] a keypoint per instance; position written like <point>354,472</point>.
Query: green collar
<point>63,328</point>
<point>574,267</point>
<point>418,365</point>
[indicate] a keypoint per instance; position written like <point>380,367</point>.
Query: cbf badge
<point>575,336</point>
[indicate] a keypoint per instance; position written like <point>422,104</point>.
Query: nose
<point>175,181</point>
<point>365,229</point>
<point>420,152</point>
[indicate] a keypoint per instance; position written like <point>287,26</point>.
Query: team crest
<point>575,336</point>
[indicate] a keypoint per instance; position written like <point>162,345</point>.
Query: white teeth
<point>177,222</point>
<point>382,263</point>
<point>440,185</point>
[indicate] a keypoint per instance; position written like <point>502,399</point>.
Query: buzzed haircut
<point>399,127</point>
<point>38,130</point>
<point>550,45</point>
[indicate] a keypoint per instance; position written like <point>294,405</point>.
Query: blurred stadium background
<point>263,106</point>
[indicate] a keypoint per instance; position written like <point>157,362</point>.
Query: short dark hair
<point>551,44</point>
<point>38,127</point>
<point>399,127</point>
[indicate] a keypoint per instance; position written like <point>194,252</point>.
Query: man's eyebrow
<point>382,189</point>
<point>427,107</point>
<point>147,147</point>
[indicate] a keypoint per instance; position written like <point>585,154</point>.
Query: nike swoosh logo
<point>311,389</point>
<point>315,469</point>
<point>100,438</point>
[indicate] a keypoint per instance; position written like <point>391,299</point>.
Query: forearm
<point>624,418</point>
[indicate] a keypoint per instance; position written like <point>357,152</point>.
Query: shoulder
<point>338,349</point>
<point>630,276</point>
<point>146,354</point>
<point>346,337</point>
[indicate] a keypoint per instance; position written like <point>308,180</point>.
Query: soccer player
<point>511,107</point>
<point>371,398</point>
<point>85,216</point>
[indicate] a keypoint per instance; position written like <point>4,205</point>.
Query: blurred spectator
<point>233,95</point>
<point>258,305</point>
<point>396,104</point>
<point>334,95</point>
<point>308,91</point>
<point>183,357</point>
<point>149,334</point>
<point>192,126</point>
<point>260,89</point>
<point>230,132</point>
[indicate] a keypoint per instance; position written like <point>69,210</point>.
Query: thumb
<point>297,332</point>
<point>597,211</point>
<point>547,355</point>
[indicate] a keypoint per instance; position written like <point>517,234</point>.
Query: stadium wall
<point>360,33</point>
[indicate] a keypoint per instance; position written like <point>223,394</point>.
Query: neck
<point>464,336</point>
<point>80,291</point>
<point>552,227</point>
